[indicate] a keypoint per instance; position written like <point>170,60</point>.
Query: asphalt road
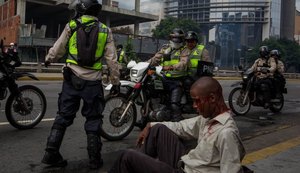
<point>21,151</point>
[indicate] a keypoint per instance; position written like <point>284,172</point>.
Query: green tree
<point>291,55</point>
<point>130,53</point>
<point>168,24</point>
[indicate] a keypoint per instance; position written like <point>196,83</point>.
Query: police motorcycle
<point>25,105</point>
<point>145,90</point>
<point>247,93</point>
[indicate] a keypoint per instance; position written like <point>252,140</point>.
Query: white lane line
<point>3,123</point>
<point>44,120</point>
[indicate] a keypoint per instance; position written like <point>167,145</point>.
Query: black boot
<point>94,146</point>
<point>176,113</point>
<point>141,123</point>
<point>52,156</point>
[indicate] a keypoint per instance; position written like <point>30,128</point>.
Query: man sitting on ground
<point>219,147</point>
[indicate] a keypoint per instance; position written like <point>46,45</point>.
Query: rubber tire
<point>231,105</point>
<point>119,137</point>
<point>10,100</point>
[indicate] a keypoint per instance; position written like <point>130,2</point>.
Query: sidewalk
<point>280,155</point>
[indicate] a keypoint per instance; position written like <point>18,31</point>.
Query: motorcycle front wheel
<point>112,128</point>
<point>26,110</point>
<point>235,100</point>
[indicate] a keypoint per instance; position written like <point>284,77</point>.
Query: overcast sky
<point>129,4</point>
<point>298,4</point>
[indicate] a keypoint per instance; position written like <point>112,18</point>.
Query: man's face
<point>191,44</point>
<point>201,102</point>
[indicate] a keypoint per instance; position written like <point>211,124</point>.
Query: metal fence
<point>33,49</point>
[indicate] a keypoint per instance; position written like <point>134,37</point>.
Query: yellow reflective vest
<point>195,57</point>
<point>102,38</point>
<point>121,57</point>
<point>174,59</point>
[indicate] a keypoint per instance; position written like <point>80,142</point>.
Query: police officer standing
<point>121,54</point>
<point>174,59</point>
<point>264,68</point>
<point>86,41</point>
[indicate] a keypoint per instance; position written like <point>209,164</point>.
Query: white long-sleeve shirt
<point>59,50</point>
<point>219,148</point>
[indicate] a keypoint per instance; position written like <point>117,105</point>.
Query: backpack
<point>87,39</point>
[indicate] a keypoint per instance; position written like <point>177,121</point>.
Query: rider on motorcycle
<point>279,79</point>
<point>197,52</point>
<point>264,68</point>
<point>174,59</point>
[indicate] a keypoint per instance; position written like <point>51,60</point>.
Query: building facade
<point>35,25</point>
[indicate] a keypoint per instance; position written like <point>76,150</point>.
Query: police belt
<point>77,82</point>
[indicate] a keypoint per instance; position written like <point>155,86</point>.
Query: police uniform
<point>280,67</point>
<point>81,82</point>
<point>279,79</point>
<point>264,78</point>
<point>261,63</point>
<point>178,60</point>
<point>198,53</point>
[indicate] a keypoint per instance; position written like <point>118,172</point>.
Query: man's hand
<point>167,68</point>
<point>265,70</point>
<point>115,90</point>
<point>47,63</point>
<point>142,136</point>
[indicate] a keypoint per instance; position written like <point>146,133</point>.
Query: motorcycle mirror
<point>131,64</point>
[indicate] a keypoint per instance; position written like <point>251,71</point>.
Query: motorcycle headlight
<point>134,72</point>
<point>245,77</point>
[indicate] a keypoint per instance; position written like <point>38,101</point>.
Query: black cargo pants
<point>160,154</point>
<point>91,92</point>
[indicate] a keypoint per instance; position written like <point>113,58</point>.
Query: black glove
<point>47,63</point>
<point>115,89</point>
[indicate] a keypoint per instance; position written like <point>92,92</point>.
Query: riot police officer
<point>121,54</point>
<point>279,79</point>
<point>264,68</point>
<point>82,79</point>
<point>197,52</point>
<point>174,59</point>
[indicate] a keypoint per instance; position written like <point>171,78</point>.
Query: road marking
<point>44,120</point>
<point>269,151</point>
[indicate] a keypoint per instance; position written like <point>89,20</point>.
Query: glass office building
<point>233,25</point>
